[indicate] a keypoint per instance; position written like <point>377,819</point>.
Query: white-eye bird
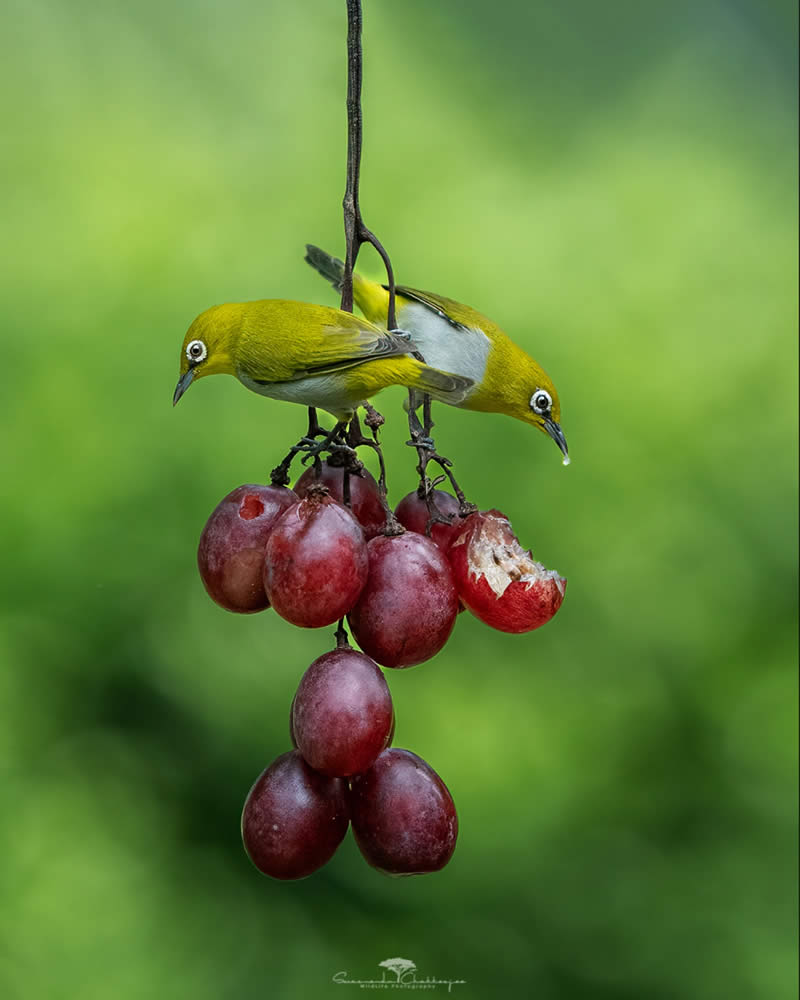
<point>455,338</point>
<point>309,354</point>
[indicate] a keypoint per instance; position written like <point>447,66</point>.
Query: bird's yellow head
<point>533,398</point>
<point>207,347</point>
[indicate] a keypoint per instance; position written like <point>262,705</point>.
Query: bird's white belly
<point>324,391</point>
<point>459,351</point>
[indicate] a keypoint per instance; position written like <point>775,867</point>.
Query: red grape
<point>231,551</point>
<point>412,513</point>
<point>403,816</point>
<point>365,501</point>
<point>409,604</point>
<point>342,713</point>
<point>294,818</point>
<point>293,738</point>
<point>315,563</point>
<point>499,581</point>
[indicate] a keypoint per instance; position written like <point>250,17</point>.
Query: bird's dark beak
<point>557,435</point>
<point>185,381</point>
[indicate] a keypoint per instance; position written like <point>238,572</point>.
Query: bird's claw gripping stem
<point>310,448</point>
<point>420,441</point>
<point>316,449</point>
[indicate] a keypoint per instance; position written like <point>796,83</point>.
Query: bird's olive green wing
<point>284,341</point>
<point>457,315</point>
<point>346,352</point>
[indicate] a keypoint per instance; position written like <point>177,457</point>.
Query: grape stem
<point>356,234</point>
<point>355,231</point>
<point>426,452</point>
<point>342,639</point>
<point>343,440</point>
<point>333,440</point>
<point>356,438</point>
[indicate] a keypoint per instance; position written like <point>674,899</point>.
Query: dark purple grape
<point>294,818</point>
<point>403,816</point>
<point>365,501</point>
<point>412,513</point>
<point>230,556</point>
<point>342,713</point>
<point>408,606</point>
<point>389,735</point>
<point>315,564</point>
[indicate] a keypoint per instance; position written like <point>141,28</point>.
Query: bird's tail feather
<point>329,267</point>
<point>370,296</point>
<point>444,386</point>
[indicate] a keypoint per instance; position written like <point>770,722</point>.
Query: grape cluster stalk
<point>332,550</point>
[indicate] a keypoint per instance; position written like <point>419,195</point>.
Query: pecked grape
<point>500,582</point>
<point>230,555</point>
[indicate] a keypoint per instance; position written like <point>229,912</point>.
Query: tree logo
<point>399,966</point>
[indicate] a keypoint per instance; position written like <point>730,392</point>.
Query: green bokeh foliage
<point>614,183</point>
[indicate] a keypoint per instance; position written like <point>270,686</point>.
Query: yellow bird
<point>456,338</point>
<point>309,354</point>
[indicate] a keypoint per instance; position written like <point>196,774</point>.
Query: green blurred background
<point>614,183</point>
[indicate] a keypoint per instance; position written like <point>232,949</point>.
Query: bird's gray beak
<point>185,381</point>
<point>557,435</point>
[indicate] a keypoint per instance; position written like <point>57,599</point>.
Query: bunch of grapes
<point>400,582</point>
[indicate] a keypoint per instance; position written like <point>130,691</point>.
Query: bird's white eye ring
<point>196,351</point>
<point>541,401</point>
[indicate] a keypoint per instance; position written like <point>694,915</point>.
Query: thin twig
<point>355,231</point>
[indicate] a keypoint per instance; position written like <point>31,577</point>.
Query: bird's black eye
<point>196,351</point>
<point>541,401</point>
